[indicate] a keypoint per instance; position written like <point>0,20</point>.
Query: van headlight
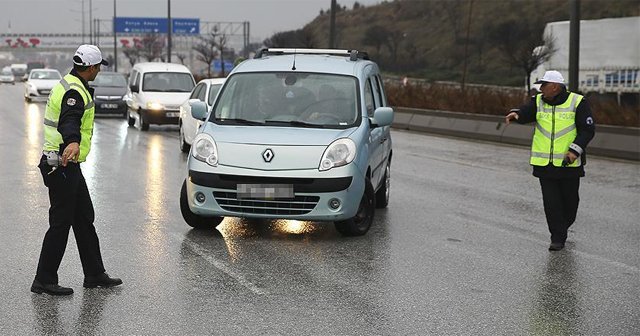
<point>339,153</point>
<point>204,149</point>
<point>155,106</point>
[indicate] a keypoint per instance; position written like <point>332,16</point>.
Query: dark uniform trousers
<point>71,206</point>
<point>560,198</point>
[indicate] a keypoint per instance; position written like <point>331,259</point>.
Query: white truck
<point>19,70</point>
<point>609,54</point>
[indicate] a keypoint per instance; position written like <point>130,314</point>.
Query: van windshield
<point>35,74</point>
<point>111,80</point>
<point>167,82</point>
<point>291,99</point>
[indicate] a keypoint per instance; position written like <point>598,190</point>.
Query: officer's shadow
<point>51,321</point>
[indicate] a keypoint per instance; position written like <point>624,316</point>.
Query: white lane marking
<point>197,249</point>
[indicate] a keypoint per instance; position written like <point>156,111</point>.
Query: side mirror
<point>382,116</point>
<point>198,109</point>
<point>134,88</point>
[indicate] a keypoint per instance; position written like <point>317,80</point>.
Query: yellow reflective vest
<point>53,138</point>
<point>555,131</point>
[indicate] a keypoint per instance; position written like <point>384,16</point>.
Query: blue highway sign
<point>149,25</point>
<point>186,26</point>
<point>141,25</point>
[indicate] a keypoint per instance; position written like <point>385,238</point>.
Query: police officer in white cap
<point>68,127</point>
<point>564,127</point>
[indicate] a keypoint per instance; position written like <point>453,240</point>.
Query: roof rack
<point>354,55</point>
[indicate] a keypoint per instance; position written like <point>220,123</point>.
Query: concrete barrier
<point>610,141</point>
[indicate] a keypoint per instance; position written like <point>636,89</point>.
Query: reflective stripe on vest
<point>555,131</point>
<point>52,138</point>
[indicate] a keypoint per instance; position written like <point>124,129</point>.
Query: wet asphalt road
<point>461,250</point>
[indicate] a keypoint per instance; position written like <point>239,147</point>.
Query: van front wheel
<point>144,125</point>
<point>361,222</point>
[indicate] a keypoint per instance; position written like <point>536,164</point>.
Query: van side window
<point>136,81</point>
<point>368,98</point>
<point>376,90</point>
<point>380,89</point>
<point>196,92</point>
<point>202,93</point>
<point>132,77</point>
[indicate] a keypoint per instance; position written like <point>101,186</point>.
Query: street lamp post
<point>115,44</point>
<point>169,32</point>
<point>90,23</point>
<point>332,25</point>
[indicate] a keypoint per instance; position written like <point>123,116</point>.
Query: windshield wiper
<point>241,121</point>
<point>296,123</point>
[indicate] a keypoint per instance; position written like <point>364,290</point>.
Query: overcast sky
<point>64,16</point>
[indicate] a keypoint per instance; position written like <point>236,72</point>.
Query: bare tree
<point>206,50</point>
<point>132,54</point>
<point>376,36</point>
<point>523,45</point>
<point>151,46</point>
<point>181,57</point>
<point>222,44</point>
<point>451,10</point>
<point>282,40</point>
<point>394,39</point>
<point>306,38</point>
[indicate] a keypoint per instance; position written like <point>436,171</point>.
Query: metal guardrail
<point>610,141</point>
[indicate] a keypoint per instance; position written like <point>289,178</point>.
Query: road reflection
<point>557,309</point>
<point>46,312</point>
<point>154,196</point>
<point>92,309</point>
<point>295,259</point>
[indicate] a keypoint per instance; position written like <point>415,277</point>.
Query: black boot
<point>556,246</point>
<point>51,289</point>
<point>101,280</point>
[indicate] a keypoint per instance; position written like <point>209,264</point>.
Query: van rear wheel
<point>361,222</point>
<point>193,220</point>
<point>382,195</point>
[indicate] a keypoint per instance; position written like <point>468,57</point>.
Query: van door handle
<point>382,140</point>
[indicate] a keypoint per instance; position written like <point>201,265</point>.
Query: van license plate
<point>265,191</point>
<point>173,114</point>
<point>109,106</point>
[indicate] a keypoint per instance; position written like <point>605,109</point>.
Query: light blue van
<point>301,134</point>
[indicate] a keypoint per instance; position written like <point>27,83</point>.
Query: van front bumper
<point>161,117</point>
<point>311,201</point>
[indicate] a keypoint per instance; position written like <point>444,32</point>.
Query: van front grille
<point>299,205</point>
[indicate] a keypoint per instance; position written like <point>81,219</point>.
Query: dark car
<point>110,87</point>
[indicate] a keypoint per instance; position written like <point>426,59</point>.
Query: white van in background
<point>156,91</point>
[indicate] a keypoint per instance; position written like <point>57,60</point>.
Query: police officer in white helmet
<point>68,128</point>
<point>564,127</point>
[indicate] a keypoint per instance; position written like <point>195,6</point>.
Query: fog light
<point>334,203</point>
<point>200,198</point>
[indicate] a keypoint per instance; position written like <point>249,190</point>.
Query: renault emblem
<point>267,155</point>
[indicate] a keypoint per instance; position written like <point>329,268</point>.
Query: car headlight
<point>204,149</point>
<point>339,153</point>
<point>155,106</point>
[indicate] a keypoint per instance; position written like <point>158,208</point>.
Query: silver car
<point>39,83</point>
<point>301,134</point>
